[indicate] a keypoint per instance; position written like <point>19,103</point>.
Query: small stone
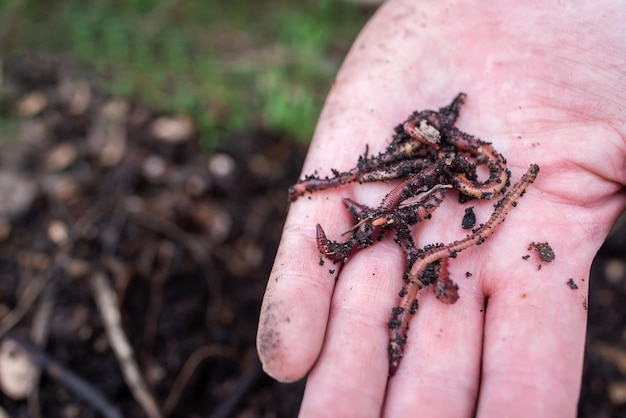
<point>58,232</point>
<point>155,374</point>
<point>77,94</point>
<point>113,152</point>
<point>173,129</point>
<point>114,111</point>
<point>617,392</point>
<point>154,168</point>
<point>18,374</point>
<point>615,270</point>
<point>32,104</point>
<point>221,165</point>
<point>61,157</point>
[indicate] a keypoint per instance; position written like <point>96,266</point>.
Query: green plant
<point>230,64</point>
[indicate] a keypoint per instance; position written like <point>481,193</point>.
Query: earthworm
<point>400,314</point>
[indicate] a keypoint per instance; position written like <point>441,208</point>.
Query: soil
<point>97,187</point>
<point>544,251</point>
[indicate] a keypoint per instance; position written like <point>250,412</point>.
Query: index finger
<point>297,301</point>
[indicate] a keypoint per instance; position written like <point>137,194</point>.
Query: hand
<point>545,85</point>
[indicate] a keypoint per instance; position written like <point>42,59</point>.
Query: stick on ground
<point>67,378</point>
<point>108,306</point>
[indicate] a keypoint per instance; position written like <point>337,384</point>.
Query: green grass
<point>232,64</point>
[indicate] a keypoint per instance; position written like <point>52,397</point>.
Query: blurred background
<point>146,150</point>
<point>231,64</point>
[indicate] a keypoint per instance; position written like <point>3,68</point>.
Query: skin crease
<point>545,85</point>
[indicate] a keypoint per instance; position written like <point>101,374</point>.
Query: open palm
<point>545,85</point>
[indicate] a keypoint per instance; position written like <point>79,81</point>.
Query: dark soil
<point>544,251</point>
<point>94,186</point>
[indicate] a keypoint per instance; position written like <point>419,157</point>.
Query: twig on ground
<point>108,306</point>
<point>27,298</point>
<point>40,328</point>
<point>162,269</point>
<point>188,369</point>
<point>67,378</point>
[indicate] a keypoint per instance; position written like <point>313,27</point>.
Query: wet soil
<point>544,251</point>
<point>96,187</point>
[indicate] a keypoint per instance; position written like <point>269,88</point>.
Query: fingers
<point>441,368</point>
<point>534,344</point>
<point>295,307</point>
<point>350,375</point>
<point>440,372</point>
<point>535,322</point>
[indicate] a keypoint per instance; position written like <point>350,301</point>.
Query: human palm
<point>544,86</point>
